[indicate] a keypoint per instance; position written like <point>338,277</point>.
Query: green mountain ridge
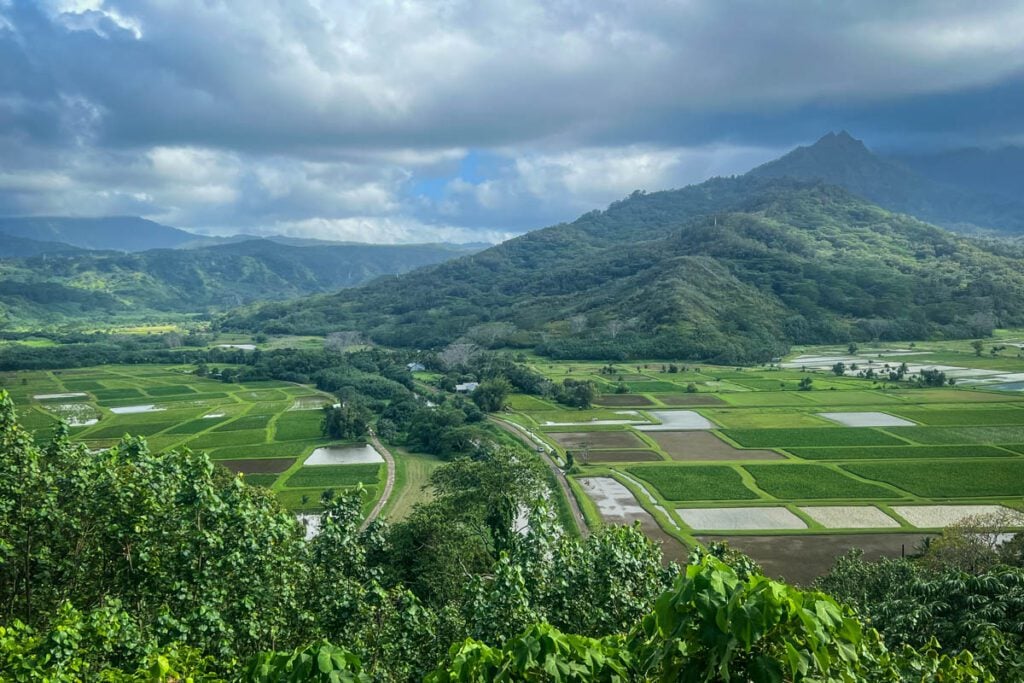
<point>116,233</point>
<point>733,269</point>
<point>54,289</point>
<point>947,200</point>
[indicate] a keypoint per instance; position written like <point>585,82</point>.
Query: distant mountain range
<point>53,287</point>
<point>731,270</point>
<point>116,233</point>
<point>957,190</point>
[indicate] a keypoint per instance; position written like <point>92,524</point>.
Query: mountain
<point>117,233</point>
<point>732,270</point>
<point>201,280</point>
<point>840,159</point>
<point>997,171</point>
<point>20,247</point>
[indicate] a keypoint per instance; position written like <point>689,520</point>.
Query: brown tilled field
<point>620,400</point>
<point>258,465</point>
<point>617,439</point>
<point>697,445</point>
<point>622,456</point>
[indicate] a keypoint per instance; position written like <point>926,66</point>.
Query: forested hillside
<point>50,288</point>
<point>730,270</point>
<point>120,233</point>
<point>944,199</point>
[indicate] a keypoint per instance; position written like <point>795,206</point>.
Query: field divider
<point>751,483</point>
<point>887,509</point>
<point>650,503</point>
<point>883,484</point>
<point>812,524</point>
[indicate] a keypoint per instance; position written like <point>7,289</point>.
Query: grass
<point>569,415</point>
<point>196,426</point>
<point>170,390</point>
<point>962,435</point>
<point>768,399</point>
<point>757,419</point>
<point>116,394</point>
<point>683,483</point>
<point>821,436</point>
<point>412,475</point>
<point>811,482</point>
<point>980,479</point>
<point>264,480</point>
<point>116,431</point>
<point>292,499</point>
<point>292,449</point>
<point>334,476</point>
<point>214,440</point>
<point>898,452</point>
<point>653,387</point>
<point>955,415</point>
<point>245,422</point>
<point>298,424</point>
<point>524,402</point>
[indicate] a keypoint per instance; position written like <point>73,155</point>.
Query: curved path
<point>389,483</point>
<point>563,483</point>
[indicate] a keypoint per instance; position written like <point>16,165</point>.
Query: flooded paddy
<point>936,516</point>
<point>135,410</point>
<point>344,455</point>
<point>617,505</point>
<point>677,420</point>
<point>740,518</point>
<point>867,419</point>
<point>849,517</point>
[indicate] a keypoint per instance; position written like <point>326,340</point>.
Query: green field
<point>965,449</point>
<point>947,416</point>
<point>981,479</point>
<point>694,483</point>
<point>899,452</point>
<point>809,482</point>
<point>961,435</point>
<point>298,424</point>
<point>813,436</point>
<point>228,421</point>
<point>334,476</point>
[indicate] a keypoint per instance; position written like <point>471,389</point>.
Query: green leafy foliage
<point>714,626</point>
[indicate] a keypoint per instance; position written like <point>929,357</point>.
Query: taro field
<point>268,431</point>
<point>742,454</point>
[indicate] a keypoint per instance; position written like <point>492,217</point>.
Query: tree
<point>346,420</point>
<point>201,558</point>
<point>805,384</point>
<point>839,369</point>
<point>490,395</point>
<point>713,625</point>
<point>978,346</point>
<point>852,348</point>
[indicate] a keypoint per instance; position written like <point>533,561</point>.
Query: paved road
<point>389,484</point>
<point>574,506</point>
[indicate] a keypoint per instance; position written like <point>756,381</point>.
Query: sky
<point>464,121</point>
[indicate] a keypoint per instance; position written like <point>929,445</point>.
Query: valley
<point>797,450</point>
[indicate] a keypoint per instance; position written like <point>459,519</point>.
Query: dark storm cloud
<point>352,117</point>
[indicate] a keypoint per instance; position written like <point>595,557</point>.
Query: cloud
<point>232,115</point>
